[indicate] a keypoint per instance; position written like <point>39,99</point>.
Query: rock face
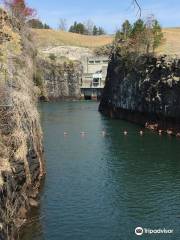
<point>60,80</point>
<point>144,90</point>
<point>71,52</point>
<point>21,151</point>
<point>60,71</point>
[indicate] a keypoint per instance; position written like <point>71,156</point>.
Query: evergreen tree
<point>101,31</point>
<point>144,37</point>
<point>157,34</point>
<point>78,28</point>
<point>138,27</point>
<point>119,35</point>
<point>46,26</point>
<point>126,29</point>
<point>35,23</point>
<point>95,30</point>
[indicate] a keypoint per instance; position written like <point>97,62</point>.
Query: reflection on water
<point>102,187</point>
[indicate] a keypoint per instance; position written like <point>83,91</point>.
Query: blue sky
<point>107,13</point>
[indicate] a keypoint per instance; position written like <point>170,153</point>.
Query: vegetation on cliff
<point>9,40</point>
<point>21,158</point>
<point>141,37</point>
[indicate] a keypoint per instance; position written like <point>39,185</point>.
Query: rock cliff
<point>21,151</point>
<point>144,90</point>
<point>59,71</point>
<point>59,79</point>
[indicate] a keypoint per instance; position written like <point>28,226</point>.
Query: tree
<point>119,35</point>
<point>46,26</point>
<point>138,27</point>
<point>78,28</point>
<point>63,24</point>
<point>157,34</point>
<point>153,34</point>
<point>19,9</point>
<point>95,30</point>
<point>35,23</point>
<point>89,25</point>
<point>125,32</point>
<point>138,6</point>
<point>143,36</point>
<point>126,29</point>
<point>86,28</point>
<point>73,27</point>
<point>101,31</point>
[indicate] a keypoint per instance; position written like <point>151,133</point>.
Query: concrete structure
<point>94,76</point>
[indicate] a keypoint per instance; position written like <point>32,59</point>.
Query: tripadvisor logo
<point>139,231</point>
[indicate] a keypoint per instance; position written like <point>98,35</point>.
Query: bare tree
<point>63,24</point>
<point>136,2</point>
<point>89,27</point>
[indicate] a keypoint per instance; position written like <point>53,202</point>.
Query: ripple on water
<point>101,188</point>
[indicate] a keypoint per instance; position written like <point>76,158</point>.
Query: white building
<point>94,76</point>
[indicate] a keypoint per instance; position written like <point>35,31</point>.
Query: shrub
<point>52,56</point>
<point>37,78</point>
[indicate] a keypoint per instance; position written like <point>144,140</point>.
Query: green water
<point>103,187</point>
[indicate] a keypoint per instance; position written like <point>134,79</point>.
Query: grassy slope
<point>45,38</point>
<point>171,44</point>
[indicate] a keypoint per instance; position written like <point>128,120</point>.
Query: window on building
<point>98,61</point>
<point>96,82</point>
<point>91,62</point>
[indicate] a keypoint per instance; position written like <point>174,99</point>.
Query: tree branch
<point>139,7</point>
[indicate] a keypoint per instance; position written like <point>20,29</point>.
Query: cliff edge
<point>21,151</point>
<point>144,90</point>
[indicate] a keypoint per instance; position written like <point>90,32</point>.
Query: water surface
<point>102,187</point>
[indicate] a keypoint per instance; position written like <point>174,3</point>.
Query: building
<point>94,76</point>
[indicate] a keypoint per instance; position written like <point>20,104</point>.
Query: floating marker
<point>83,133</point>
<point>125,133</point>
<point>169,132</point>
<point>141,133</point>
<point>103,133</point>
<point>160,132</point>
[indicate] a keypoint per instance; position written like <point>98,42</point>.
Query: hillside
<point>45,38</point>
<point>50,38</point>
<point>171,44</point>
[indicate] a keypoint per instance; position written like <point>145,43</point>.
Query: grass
<point>171,45</point>
<point>47,38</point>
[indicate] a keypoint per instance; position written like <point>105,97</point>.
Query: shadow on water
<point>102,187</point>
